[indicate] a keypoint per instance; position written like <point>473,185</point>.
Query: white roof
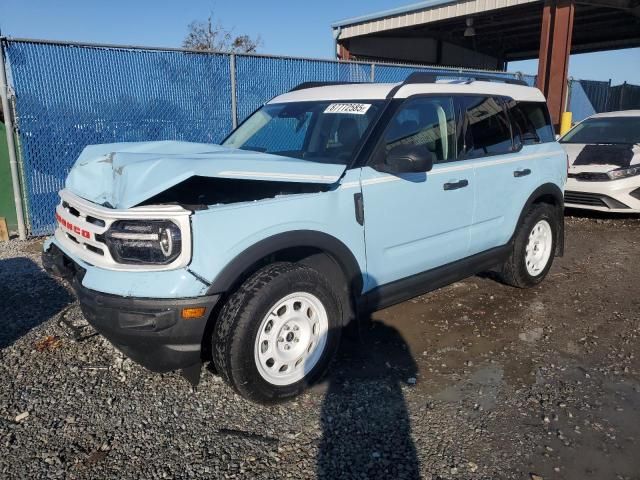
<point>620,113</point>
<point>355,91</point>
<point>379,91</point>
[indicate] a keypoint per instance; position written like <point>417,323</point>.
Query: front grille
<point>80,228</point>
<point>590,177</point>
<point>636,193</point>
<point>592,200</point>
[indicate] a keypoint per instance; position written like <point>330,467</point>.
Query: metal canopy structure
<point>491,33</point>
<point>506,30</point>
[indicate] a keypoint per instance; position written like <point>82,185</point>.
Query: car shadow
<point>365,421</point>
<point>28,297</point>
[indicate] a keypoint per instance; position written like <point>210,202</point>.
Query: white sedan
<point>604,162</point>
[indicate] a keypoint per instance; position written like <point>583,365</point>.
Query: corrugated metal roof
<point>390,12</point>
<point>418,14</point>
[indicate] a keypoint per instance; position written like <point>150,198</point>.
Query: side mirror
<point>409,159</point>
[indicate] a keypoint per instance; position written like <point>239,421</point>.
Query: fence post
<point>373,72</point>
<point>13,163</point>
<point>234,105</point>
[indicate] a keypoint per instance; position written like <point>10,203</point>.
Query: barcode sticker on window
<point>352,108</point>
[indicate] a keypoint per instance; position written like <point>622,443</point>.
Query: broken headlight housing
<point>157,242</point>
<point>624,172</point>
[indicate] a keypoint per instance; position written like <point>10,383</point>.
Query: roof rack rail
<point>423,77</point>
<point>305,85</point>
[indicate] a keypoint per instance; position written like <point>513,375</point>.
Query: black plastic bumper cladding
<point>592,200</point>
<point>149,331</point>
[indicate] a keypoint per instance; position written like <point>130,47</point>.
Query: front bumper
<point>621,196</point>
<point>150,331</point>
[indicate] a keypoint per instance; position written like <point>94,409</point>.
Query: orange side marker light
<point>189,313</point>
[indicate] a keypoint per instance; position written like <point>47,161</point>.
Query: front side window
<point>486,127</point>
<point>605,130</point>
<point>531,122</point>
<point>423,121</point>
<point>318,131</point>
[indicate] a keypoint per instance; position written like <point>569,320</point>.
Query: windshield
<point>326,132</point>
<point>605,130</point>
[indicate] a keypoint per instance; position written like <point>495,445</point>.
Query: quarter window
<point>531,121</point>
<point>424,121</point>
<point>486,127</point>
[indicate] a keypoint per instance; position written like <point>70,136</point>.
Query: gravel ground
<point>474,381</point>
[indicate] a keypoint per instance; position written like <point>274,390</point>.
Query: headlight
<point>144,241</point>
<point>624,172</point>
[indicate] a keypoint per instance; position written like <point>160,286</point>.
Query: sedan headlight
<point>624,172</point>
<point>144,241</point>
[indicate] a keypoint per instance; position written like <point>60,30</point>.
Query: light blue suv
<point>328,201</point>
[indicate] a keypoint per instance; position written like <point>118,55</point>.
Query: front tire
<point>277,333</point>
<point>534,248</point>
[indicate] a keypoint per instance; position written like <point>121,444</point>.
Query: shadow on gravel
<point>365,421</point>
<point>28,297</point>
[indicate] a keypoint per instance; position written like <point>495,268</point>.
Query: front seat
<point>348,135</point>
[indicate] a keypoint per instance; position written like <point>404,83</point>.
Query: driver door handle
<point>522,173</point>
<point>456,185</point>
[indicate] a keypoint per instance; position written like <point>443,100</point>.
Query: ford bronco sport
<point>326,202</point>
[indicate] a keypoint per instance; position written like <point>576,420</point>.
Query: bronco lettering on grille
<point>71,227</point>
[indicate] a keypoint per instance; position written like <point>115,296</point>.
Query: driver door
<point>415,222</point>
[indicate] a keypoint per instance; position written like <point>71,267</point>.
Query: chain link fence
<point>71,95</point>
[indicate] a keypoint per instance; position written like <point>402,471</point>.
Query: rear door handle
<point>456,185</point>
<point>522,173</point>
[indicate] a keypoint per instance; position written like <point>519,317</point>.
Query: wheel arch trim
<point>544,190</point>
<point>324,242</point>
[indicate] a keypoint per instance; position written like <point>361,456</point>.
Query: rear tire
<point>533,248</point>
<point>277,333</point>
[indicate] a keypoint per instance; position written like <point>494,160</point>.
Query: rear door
<point>417,221</point>
<point>505,176</point>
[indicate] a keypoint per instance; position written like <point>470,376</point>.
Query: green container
<point>7,206</point>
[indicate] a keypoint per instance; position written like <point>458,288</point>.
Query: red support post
<point>553,61</point>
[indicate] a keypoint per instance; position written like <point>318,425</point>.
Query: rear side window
<point>486,127</point>
<point>531,122</point>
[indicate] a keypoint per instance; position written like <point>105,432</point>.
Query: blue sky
<point>287,27</point>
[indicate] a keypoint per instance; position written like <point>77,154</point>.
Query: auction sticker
<point>352,108</point>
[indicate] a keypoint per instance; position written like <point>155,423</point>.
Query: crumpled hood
<point>122,175</point>
<point>601,158</point>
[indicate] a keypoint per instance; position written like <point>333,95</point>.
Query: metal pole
<point>13,163</point>
<point>567,100</point>
<point>234,106</point>
<point>373,72</point>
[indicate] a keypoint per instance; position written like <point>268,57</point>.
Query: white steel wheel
<point>291,339</point>
<point>538,249</point>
